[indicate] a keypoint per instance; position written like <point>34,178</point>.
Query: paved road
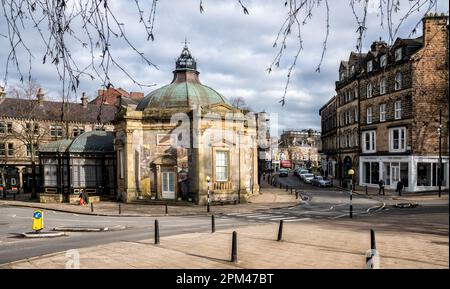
<point>14,220</point>
<point>324,204</point>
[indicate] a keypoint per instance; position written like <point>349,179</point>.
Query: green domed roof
<point>185,89</point>
<point>181,94</point>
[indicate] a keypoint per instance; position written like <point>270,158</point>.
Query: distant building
<point>387,109</point>
<point>300,148</point>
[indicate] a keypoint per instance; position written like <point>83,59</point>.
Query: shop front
<point>416,173</point>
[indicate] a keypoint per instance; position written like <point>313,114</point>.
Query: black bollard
<point>14,196</point>
<point>213,224</point>
<point>280,231</point>
<point>366,191</point>
<point>92,207</point>
<point>234,248</point>
<point>351,211</point>
<point>373,245</point>
<point>280,185</point>
<point>120,209</point>
<point>291,190</point>
<point>207,208</point>
<point>287,188</point>
<point>156,232</point>
<point>296,195</point>
<point>167,210</point>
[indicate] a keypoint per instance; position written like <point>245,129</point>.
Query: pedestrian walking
<point>400,186</point>
<point>381,186</point>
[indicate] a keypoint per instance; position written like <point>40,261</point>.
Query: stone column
<point>20,169</point>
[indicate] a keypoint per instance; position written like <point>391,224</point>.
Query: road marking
<point>250,215</point>
<point>283,218</point>
<point>270,216</point>
<point>297,220</point>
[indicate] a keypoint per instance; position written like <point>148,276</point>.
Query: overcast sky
<point>233,51</point>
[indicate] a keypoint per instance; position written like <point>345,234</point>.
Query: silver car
<point>324,182</point>
<point>307,178</point>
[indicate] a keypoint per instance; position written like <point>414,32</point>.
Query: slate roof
<point>96,141</point>
<point>51,110</point>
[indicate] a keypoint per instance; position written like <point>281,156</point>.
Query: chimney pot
<point>84,100</point>
<point>40,97</point>
<point>2,91</point>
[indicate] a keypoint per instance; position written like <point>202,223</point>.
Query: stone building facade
<point>329,137</point>
<point>27,124</point>
<point>179,135</point>
<point>403,90</point>
<point>299,148</point>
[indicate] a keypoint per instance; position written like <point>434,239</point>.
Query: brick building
<point>398,92</point>
<point>299,148</point>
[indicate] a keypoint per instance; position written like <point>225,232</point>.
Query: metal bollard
<point>92,207</point>
<point>296,195</point>
<point>156,232</point>
<point>167,210</point>
<point>213,224</point>
<point>291,190</point>
<point>372,256</point>
<point>366,191</point>
<point>234,248</point>
<point>120,209</point>
<point>351,211</point>
<point>287,188</point>
<point>14,196</point>
<point>208,208</point>
<point>280,231</point>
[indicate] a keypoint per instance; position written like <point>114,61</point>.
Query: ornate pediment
<point>167,160</point>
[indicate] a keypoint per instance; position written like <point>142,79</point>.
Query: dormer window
<point>352,70</point>
<point>369,66</point>
<point>398,54</point>
<point>383,60</point>
<point>342,76</point>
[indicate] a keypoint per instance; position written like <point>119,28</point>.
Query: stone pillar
<point>21,169</point>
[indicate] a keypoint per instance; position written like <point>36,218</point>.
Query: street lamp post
<point>440,152</point>
<point>351,172</point>
<point>208,180</point>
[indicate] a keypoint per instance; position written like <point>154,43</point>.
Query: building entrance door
<point>395,175</point>
<point>168,185</point>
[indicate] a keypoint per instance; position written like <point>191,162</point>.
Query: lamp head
<point>351,172</point>
<point>208,179</point>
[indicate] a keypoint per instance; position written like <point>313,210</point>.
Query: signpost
<point>38,220</point>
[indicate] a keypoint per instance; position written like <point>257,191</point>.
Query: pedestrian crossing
<point>264,217</point>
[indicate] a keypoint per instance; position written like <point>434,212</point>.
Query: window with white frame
<point>369,90</point>
<point>369,66</point>
<point>398,109</point>
<point>369,141</point>
<point>397,139</point>
<point>398,54</point>
<point>56,131</point>
<point>2,128</point>
<point>398,81</point>
<point>383,60</point>
<point>383,85</point>
<point>369,115</point>
<point>382,112</point>
<point>352,70</point>
<point>356,115</point>
<point>222,166</point>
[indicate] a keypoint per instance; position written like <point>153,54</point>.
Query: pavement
<point>268,198</point>
<point>305,245</point>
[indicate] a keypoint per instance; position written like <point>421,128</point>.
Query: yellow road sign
<point>38,220</point>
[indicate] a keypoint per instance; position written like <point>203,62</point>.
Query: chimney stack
<point>40,97</point>
<point>84,100</point>
<point>2,92</point>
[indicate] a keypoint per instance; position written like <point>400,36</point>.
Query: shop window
<point>424,173</point>
<point>371,172</point>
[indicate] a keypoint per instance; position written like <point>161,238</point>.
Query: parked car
<point>324,183</point>
<point>283,173</point>
<point>315,181</point>
<point>302,172</point>
<point>307,178</point>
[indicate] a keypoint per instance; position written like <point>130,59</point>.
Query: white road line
<point>249,215</point>
<point>283,218</point>
<point>298,220</point>
<point>270,216</point>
